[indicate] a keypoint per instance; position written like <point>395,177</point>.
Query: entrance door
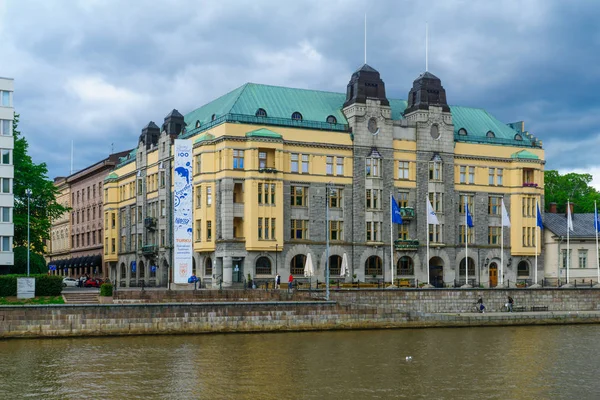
<point>436,272</point>
<point>238,270</point>
<point>493,274</point>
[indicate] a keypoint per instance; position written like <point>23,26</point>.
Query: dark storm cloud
<point>96,72</point>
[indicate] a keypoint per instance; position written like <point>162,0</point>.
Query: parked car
<point>69,282</point>
<point>92,283</point>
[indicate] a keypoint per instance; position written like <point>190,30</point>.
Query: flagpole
<point>391,238</point>
<point>502,245</point>
<point>536,246</point>
<point>596,229</point>
<point>427,234</point>
<point>568,255</point>
<point>466,243</point>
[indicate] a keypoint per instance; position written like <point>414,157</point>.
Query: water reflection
<point>473,363</point>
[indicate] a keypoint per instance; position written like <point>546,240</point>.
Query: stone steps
<point>81,298</point>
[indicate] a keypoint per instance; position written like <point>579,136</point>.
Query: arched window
<point>462,132</point>
<point>523,269</point>
<point>461,271</point>
<point>331,119</point>
<point>261,112</point>
<point>373,266</point>
<point>297,116</point>
<point>197,124</point>
<point>518,137</point>
<point>405,266</point>
<point>297,264</point>
<point>208,267</point>
<point>435,131</point>
<point>335,265</point>
<point>123,271</point>
<point>142,269</point>
<point>263,266</point>
<point>490,134</point>
<point>213,117</point>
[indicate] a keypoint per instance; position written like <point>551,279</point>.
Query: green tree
<point>43,207</point>
<point>37,264</point>
<point>572,187</point>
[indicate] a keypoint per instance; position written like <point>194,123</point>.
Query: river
<point>546,362</point>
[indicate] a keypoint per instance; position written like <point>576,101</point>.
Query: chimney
<point>552,208</point>
<point>570,206</point>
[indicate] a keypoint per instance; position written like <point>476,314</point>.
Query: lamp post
<point>28,194</point>
<point>327,189</point>
<point>276,248</point>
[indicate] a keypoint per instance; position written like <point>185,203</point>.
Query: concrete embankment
<point>374,309</point>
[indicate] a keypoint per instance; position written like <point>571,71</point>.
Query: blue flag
<point>396,216</point>
<point>539,217</point>
<point>596,222</point>
<point>469,217</point>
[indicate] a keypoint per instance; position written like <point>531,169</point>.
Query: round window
<point>435,132</point>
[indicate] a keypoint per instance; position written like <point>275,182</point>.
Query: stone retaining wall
<point>193,296</point>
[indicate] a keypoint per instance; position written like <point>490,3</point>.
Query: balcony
<point>150,223</point>
<point>150,249</point>
<point>238,210</point>
<point>530,184</point>
<point>268,170</point>
<point>408,244</point>
<point>407,213</point>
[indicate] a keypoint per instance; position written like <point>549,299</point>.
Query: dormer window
<point>213,117</point>
<point>462,132</point>
<point>518,137</point>
<point>261,113</point>
<point>490,134</point>
<point>297,116</point>
<point>331,119</point>
<point>197,124</point>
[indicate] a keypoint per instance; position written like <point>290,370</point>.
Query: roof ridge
<point>244,87</point>
<point>296,88</point>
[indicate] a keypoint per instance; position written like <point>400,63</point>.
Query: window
<point>198,230</point>
<point>461,204</point>
<point>402,199</point>
<point>213,117</point>
<point>5,127</point>
<point>336,230</point>
<point>494,205</point>
<point>528,237</point>
<point>260,228</point>
<point>528,206</point>
<point>435,171</point>
<point>5,157</point>
<point>329,167</point>
<point>113,246</point>
<point>299,229</point>
<point>163,209</point>
<point>335,265</point>
<point>299,196</point>
<point>198,164</point>
<point>273,228</point>
<point>6,243</point>
<point>294,165</point>
<point>5,98</point>
<point>463,174</point>
<point>297,264</point>
<point>582,258</point>
<point>462,132</point>
<point>405,266</point>
<point>373,266</point>
<point>198,196</point>
<point>209,231</point>
<point>260,112</point>
<point>528,177</point>
<point>262,159</point>
<point>260,193</point>
<point>435,233</point>
<point>335,198</point>
<point>5,185</point>
<point>162,238</point>
<point>305,163</point>
<point>461,234</point>
<point>272,193</point>
<point>490,134</point>
<point>564,257</point>
<point>518,137</point>
<point>339,166</point>
<point>491,176</point>
<point>162,179</point>
<point>5,214</point>
<point>499,176</point>
<point>113,220</point>
<point>140,215</point>
<point>523,269</point>
<point>266,228</point>
<point>331,119</point>
<point>373,231</point>
<point>403,169</point>
<point>372,167</point>
<point>436,200</point>
<point>263,266</point>
<point>238,159</point>
<point>209,196</point>
<point>297,116</point>
<point>403,232</point>
<point>471,175</point>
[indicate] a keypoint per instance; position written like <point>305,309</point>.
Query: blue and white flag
<point>569,218</point>
<point>596,221</point>
<point>540,223</point>
<point>505,219</point>
<point>396,216</point>
<point>469,216</point>
<point>431,217</point>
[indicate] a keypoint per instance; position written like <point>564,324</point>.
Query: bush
<point>45,285</point>
<point>106,289</point>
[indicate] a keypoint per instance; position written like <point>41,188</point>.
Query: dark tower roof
<point>427,90</point>
<point>174,123</point>
<point>150,134</point>
<point>365,83</point>
<point>174,113</point>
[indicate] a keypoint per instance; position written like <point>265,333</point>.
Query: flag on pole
<point>469,216</point>
<point>569,219</point>
<point>596,221</point>
<point>505,219</point>
<point>431,217</point>
<point>396,216</point>
<point>539,217</point>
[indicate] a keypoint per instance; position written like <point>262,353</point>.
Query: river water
<point>549,362</point>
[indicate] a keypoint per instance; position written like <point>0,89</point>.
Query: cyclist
<point>510,304</point>
<point>480,305</point>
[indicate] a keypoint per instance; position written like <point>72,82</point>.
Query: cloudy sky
<point>96,71</point>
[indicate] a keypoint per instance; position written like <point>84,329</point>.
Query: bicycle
<point>476,308</point>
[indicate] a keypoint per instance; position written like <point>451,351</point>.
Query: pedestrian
<point>278,281</point>
<point>480,305</point>
<point>510,304</point>
<point>290,281</point>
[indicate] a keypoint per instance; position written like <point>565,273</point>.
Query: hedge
<point>45,285</point>
<point>106,289</point>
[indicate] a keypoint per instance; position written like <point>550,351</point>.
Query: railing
<point>510,142</point>
<point>530,184</point>
<point>407,213</point>
<point>150,222</point>
<point>268,170</point>
<point>406,244</point>
<point>149,249</point>
<point>461,282</point>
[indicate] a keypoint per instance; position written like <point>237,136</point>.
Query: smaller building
<point>582,254</point>
<point>7,172</point>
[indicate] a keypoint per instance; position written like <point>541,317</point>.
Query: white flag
<point>431,217</point>
<point>505,219</point>
<point>569,219</point>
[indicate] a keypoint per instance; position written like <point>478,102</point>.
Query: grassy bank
<point>12,300</point>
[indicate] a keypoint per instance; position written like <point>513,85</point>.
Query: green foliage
<point>45,285</point>
<point>37,264</point>
<point>35,300</point>
<point>106,289</point>
<point>572,187</point>
<point>42,206</point>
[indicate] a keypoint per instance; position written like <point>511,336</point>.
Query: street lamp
<point>276,248</point>
<point>28,194</point>
<point>327,189</point>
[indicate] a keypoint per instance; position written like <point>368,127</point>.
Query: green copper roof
<point>111,176</point>
<point>203,137</point>
<point>263,132</point>
<point>524,154</point>
<point>279,103</point>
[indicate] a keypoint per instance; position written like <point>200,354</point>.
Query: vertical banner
<point>182,211</point>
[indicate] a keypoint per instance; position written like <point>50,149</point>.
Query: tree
<point>43,207</point>
<point>572,187</point>
<point>37,264</point>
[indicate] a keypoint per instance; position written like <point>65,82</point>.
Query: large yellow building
<point>268,160</point>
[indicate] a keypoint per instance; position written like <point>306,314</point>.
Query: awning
<point>96,261</point>
<point>85,261</point>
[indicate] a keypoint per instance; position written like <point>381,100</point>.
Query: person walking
<point>480,305</point>
<point>278,281</point>
<point>290,281</point>
<point>510,304</point>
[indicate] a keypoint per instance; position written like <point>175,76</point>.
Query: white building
<point>7,200</point>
